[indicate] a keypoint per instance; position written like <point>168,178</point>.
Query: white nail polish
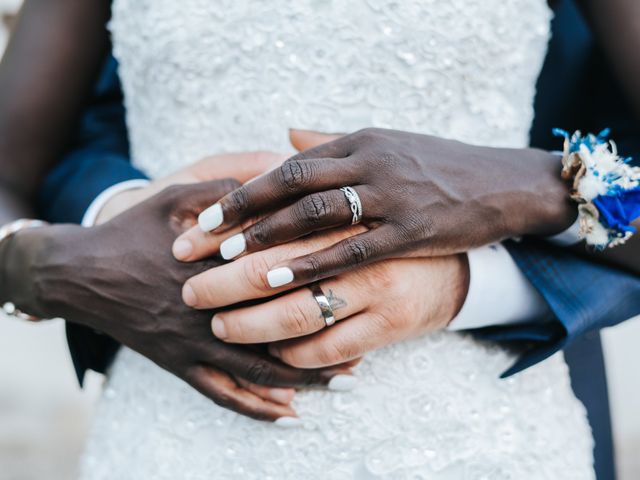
<point>233,246</point>
<point>211,218</point>
<point>343,383</point>
<point>279,276</point>
<point>288,422</point>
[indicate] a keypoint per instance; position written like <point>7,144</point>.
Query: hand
<point>375,305</point>
<point>417,192</point>
<point>120,278</point>
<point>239,166</point>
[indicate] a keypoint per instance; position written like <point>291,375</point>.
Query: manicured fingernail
<point>182,249</point>
<point>288,422</point>
<point>211,218</point>
<point>279,276</point>
<point>282,395</point>
<point>217,325</point>
<point>343,383</point>
<point>189,296</point>
<point>233,246</point>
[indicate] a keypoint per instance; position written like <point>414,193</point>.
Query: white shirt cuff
<point>101,200</point>
<point>569,237</point>
<point>499,293</point>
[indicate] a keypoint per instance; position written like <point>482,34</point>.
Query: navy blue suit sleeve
<point>97,159</point>
<point>583,295</point>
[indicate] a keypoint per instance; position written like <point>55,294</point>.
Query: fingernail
<point>288,422</point>
<point>282,395</point>
<point>182,249</point>
<point>279,276</point>
<point>343,383</point>
<point>217,325</point>
<point>211,218</point>
<point>189,296</point>
<point>233,246</point>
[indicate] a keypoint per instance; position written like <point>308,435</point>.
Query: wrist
<point>121,202</point>
<point>544,206</point>
<point>458,288</point>
<point>17,257</point>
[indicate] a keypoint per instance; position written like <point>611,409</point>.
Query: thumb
<point>303,140</point>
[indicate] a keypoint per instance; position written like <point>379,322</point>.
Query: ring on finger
<point>354,203</point>
<point>323,303</point>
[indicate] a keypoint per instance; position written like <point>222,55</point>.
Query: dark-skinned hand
<point>418,193</point>
<point>121,278</point>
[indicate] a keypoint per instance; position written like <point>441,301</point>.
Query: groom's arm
<point>97,160</point>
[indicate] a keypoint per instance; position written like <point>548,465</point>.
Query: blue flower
<point>619,209</point>
<point>576,140</point>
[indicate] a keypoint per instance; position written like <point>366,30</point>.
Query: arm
<point>42,99</point>
<point>64,270</point>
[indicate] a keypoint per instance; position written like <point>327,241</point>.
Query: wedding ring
<point>323,303</point>
<point>354,203</point>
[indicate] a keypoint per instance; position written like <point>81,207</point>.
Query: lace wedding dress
<point>205,76</point>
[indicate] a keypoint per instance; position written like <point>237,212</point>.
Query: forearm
<point>48,68</point>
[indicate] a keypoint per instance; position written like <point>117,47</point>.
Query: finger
<point>303,140</point>
<point>358,250</point>
<point>283,396</point>
<point>194,244</point>
<point>184,202</point>
<point>315,212</point>
<point>264,369</point>
<point>298,176</point>
<point>246,278</point>
<point>224,391</point>
<point>293,315</point>
<point>343,342</point>
<point>241,166</point>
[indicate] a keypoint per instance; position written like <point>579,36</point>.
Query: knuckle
<point>336,352</point>
<point>238,200</point>
<point>314,208</point>
<point>228,185</point>
<point>388,159</point>
<point>311,267</point>
<point>255,272</point>
<point>415,227</point>
<point>379,277</point>
<point>297,321</point>
<point>295,174</point>
<point>260,233</point>
<point>260,372</point>
<point>390,321</point>
<point>171,194</point>
<point>200,287</point>
<point>357,251</point>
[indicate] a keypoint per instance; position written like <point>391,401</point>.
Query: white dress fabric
<point>201,77</point>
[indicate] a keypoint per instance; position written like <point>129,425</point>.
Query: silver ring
<point>354,203</point>
<point>323,303</point>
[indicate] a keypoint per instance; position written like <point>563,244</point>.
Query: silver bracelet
<point>7,231</point>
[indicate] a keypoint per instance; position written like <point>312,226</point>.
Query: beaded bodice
<point>205,76</point>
